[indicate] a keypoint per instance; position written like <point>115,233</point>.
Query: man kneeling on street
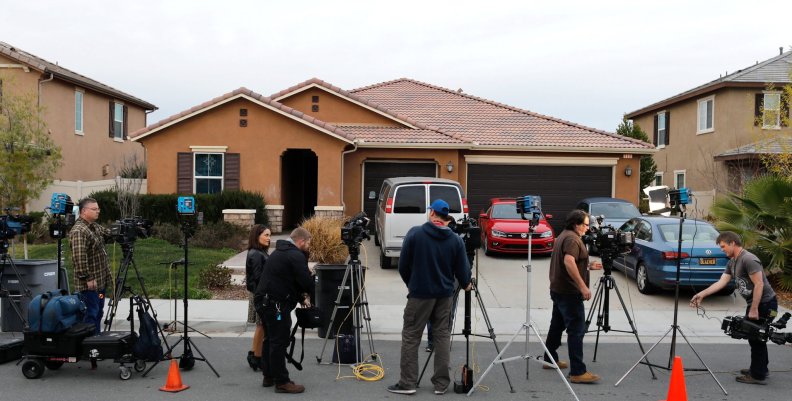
<point>752,284</point>
<point>431,257</point>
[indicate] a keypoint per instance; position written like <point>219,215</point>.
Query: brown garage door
<point>374,173</point>
<point>560,187</point>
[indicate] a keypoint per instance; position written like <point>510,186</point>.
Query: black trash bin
<point>40,275</point>
<point>328,284</point>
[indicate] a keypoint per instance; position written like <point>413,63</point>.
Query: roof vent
<point>780,50</point>
<point>459,90</point>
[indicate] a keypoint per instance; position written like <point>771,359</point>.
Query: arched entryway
<point>299,186</point>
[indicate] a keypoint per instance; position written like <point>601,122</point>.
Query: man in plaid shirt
<point>92,276</point>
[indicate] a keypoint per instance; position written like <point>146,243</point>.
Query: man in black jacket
<point>432,256</point>
<point>285,282</point>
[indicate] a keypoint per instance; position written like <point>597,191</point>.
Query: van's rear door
<point>409,210</point>
<point>449,193</point>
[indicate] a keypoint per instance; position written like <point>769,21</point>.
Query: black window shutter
<point>667,126</point>
<point>758,109</point>
<point>112,119</point>
<point>784,112</point>
<point>126,123</point>
<point>231,172</point>
<point>655,131</point>
<point>184,173</point>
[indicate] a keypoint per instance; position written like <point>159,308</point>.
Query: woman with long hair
<point>258,252</point>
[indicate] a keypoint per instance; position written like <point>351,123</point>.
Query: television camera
<point>467,228</point>
<point>12,225</point>
<point>126,231</point>
<point>741,328</point>
<point>354,231</point>
<point>608,241</point>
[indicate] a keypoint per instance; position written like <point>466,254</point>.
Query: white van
<point>403,203</point>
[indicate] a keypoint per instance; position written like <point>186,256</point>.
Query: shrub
<point>215,277</point>
<point>161,208</point>
<point>39,230</point>
<point>326,244</point>
<point>219,235</point>
<point>168,232</point>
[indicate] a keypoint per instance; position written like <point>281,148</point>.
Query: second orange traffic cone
<point>676,389</point>
<point>174,383</point>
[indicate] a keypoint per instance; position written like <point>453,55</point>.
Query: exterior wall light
<point>450,167</point>
<point>628,171</point>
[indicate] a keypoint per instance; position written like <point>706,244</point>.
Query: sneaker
<point>748,379</point>
<point>267,382</point>
<point>289,387</point>
<point>398,389</point>
<point>747,372</point>
<point>441,392</point>
<point>561,365</point>
<point>587,377</point>
<point>430,348</point>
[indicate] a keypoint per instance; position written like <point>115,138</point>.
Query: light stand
<point>58,229</point>
<point>527,205</point>
<point>680,207</point>
<point>173,326</point>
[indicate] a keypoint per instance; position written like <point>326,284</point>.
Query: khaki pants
<point>417,312</point>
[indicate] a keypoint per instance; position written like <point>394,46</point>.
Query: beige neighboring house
<point>89,120</point>
<point>710,138</point>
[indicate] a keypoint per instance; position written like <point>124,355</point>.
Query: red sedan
<point>504,231</point>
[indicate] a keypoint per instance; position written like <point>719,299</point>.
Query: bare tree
<point>128,184</point>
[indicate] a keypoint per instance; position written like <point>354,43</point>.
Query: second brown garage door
<point>560,187</point>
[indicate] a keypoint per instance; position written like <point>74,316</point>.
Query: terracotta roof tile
<point>398,135</point>
<point>486,122</point>
<point>39,63</point>
<point>238,92</point>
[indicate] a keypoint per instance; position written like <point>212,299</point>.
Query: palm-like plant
<point>762,216</point>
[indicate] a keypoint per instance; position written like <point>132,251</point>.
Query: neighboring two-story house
<point>89,120</point>
<point>710,138</point>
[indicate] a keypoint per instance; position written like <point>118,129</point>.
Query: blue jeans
<point>759,358</point>
<point>569,315</point>
<point>94,307</point>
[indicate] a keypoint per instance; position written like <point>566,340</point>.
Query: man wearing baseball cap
<point>432,256</point>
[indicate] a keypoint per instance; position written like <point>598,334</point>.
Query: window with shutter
<point>771,110</point>
<point>118,121</point>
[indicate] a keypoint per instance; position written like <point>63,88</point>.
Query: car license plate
<point>707,261</point>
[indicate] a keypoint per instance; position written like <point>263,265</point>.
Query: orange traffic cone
<point>174,383</point>
<point>676,389</point>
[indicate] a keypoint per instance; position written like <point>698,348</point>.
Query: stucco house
<point>709,138</point>
<point>315,148</point>
<point>89,120</point>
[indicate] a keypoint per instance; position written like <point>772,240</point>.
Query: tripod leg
<point>560,373</point>
<point>499,359</point>
<point>643,357</point>
<point>335,312</point>
<point>202,358</point>
<point>632,326</point>
<point>702,361</point>
<point>491,332</point>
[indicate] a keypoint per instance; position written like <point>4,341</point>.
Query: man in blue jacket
<point>432,256</point>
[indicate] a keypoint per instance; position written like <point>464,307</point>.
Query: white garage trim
<point>542,160</point>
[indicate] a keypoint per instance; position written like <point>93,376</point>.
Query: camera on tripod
<point>608,241</point>
<point>467,228</point>
<point>12,225</point>
<point>354,231</point>
<point>127,230</point>
<point>741,328</point>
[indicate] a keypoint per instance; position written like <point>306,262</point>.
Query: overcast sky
<point>584,61</point>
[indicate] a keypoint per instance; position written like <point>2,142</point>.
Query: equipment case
<point>109,345</point>
<point>58,344</point>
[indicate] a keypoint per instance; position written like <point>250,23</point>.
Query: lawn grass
<point>149,254</point>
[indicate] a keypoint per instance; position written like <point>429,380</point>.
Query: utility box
<point>40,275</point>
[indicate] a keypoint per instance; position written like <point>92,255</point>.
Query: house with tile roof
<point>720,129</point>
<point>316,148</point>
<point>89,120</point>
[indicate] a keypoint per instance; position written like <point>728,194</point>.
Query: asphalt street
<point>238,382</point>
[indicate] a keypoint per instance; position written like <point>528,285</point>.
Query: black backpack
<point>148,346</point>
<point>307,318</point>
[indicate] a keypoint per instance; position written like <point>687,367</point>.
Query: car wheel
<point>642,280</point>
<point>385,261</point>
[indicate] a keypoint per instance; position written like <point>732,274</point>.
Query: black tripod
<point>353,275</point>
<point>173,326</point>
<point>187,359</point>
<point>58,229</point>
<point>675,325</point>
<point>7,260</point>
<point>467,378</point>
<point>601,305</point>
